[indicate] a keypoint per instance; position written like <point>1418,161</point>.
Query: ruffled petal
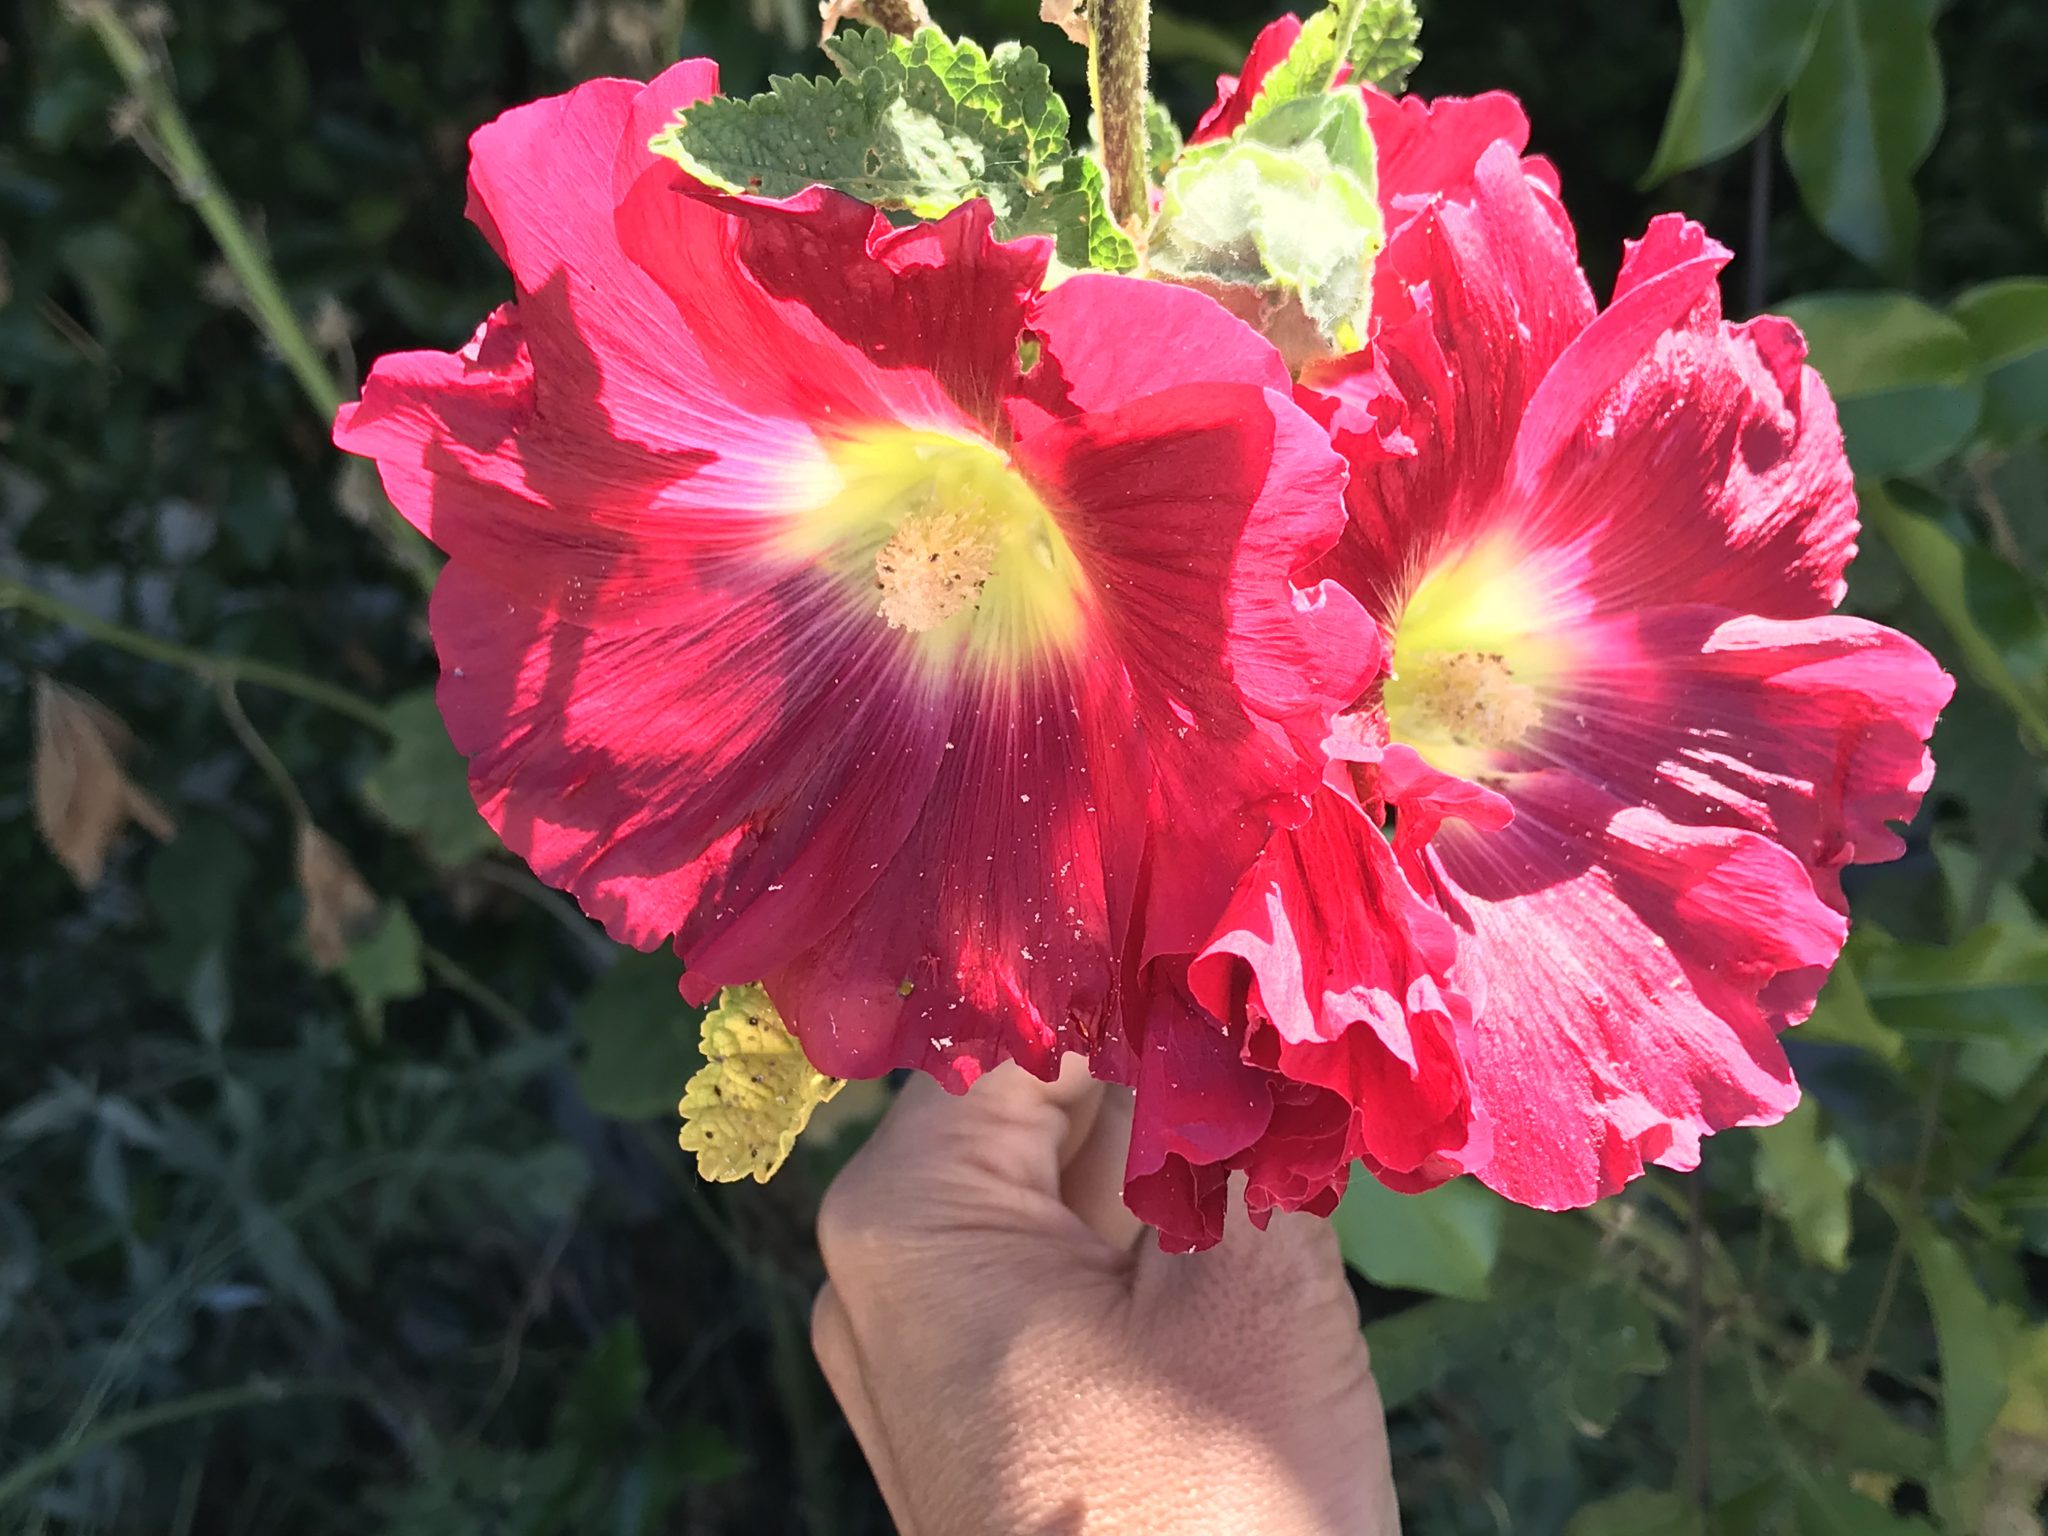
<point>1342,972</point>
<point>1429,149</point>
<point>1197,1107</point>
<point>1692,461</point>
<point>1504,298</point>
<point>1636,972</point>
<point>1810,731</point>
<point>993,934</point>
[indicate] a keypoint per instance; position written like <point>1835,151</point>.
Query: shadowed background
<point>338,1186</point>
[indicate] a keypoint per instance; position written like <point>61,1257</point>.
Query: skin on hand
<point>1016,1356</point>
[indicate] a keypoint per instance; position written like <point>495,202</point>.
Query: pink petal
<point>1236,93</point>
<point>1630,966</point>
<point>1810,731</point>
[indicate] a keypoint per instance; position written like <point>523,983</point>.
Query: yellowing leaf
<point>744,1110</point>
<point>82,797</point>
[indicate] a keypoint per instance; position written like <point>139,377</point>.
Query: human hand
<point>1016,1356</point>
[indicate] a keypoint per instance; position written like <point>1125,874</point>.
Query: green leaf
<point>1989,988</point>
<point>1611,1337</point>
<point>1861,117</point>
<point>1818,1398</point>
<point>1637,1512</point>
<point>384,965</point>
<point>922,124</point>
<point>1444,1242</point>
<point>422,786</point>
<point>1285,213</point>
<point>1904,377</point>
<point>1954,582</point>
<point>1805,1179</point>
<point>1740,58</point>
<point>1843,1016</point>
<point>1970,1336</point>
<point>639,1038</point>
<point>2008,325</point>
<point>1378,49</point>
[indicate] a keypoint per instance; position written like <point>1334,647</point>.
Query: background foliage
<point>342,1196</point>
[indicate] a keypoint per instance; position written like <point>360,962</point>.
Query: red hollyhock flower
<point>1289,1092</point>
<point>828,599</point>
<point>1628,744</point>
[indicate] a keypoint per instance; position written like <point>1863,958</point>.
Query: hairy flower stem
<point>209,668</point>
<point>191,173</point>
<point>1116,83</point>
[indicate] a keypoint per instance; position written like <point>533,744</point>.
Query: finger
<point>839,1358</point>
<point>993,1154</point>
<point>1092,1179</point>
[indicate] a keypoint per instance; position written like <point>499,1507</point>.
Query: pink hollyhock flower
<point>1627,743</point>
<point>826,598</point>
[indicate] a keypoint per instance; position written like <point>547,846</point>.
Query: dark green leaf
<point>639,1038</point>
<point>284,1264</point>
<point>1740,58</point>
<point>1861,117</point>
<point>1444,1242</point>
<point>1638,1512</point>
<point>1829,1507</point>
<point>606,1395</point>
<point>422,786</point>
<point>1972,1338</point>
<point>2008,323</point>
<point>1904,377</point>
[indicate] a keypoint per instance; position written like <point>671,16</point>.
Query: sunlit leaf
<point>744,1110</point>
<point>1740,58</point>
<point>1381,50</point>
<point>1903,375</point>
<point>922,124</point>
<point>1861,117</point>
<point>1445,1241</point>
<point>2008,323</point>
<point>1282,222</point>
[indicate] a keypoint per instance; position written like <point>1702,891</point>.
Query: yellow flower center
<point>935,564</point>
<point>939,536</point>
<point>1473,658</point>
<point>1470,697</point>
